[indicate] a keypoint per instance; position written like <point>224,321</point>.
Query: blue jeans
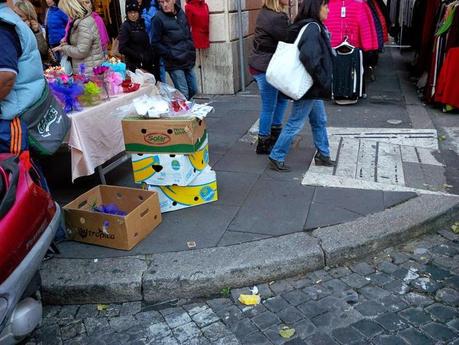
<point>315,109</point>
<point>273,105</point>
<point>185,81</point>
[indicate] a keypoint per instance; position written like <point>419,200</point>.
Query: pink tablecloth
<point>96,135</point>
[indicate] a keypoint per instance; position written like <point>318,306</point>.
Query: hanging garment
<point>439,50</point>
<point>448,20</point>
<point>385,12</point>
<point>348,75</point>
<point>447,91</point>
<point>430,19</point>
<point>419,13</point>
<point>378,25</point>
<point>352,19</point>
<point>452,41</point>
<point>382,20</point>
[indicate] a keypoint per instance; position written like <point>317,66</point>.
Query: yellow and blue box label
<point>202,190</point>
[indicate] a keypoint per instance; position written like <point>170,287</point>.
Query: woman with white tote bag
<point>316,55</point>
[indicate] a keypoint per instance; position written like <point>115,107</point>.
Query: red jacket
<point>355,22</point>
<point>447,91</point>
<point>197,13</point>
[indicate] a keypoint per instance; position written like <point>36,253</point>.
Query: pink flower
<point>99,70</point>
<point>65,78</point>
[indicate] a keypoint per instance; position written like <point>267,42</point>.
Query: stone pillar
<point>217,68</point>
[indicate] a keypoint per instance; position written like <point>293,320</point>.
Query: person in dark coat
<point>134,42</point>
<point>271,27</point>
<point>172,40</point>
<point>316,55</point>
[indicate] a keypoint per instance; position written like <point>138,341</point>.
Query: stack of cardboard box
<point>171,156</point>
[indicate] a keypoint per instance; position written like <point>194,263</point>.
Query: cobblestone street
<point>406,295</point>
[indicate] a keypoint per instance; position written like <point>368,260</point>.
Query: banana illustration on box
<point>169,169</point>
<point>201,190</point>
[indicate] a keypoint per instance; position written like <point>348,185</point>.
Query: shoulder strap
<point>303,29</point>
<point>9,167</point>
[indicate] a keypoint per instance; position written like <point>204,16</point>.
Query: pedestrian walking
<point>83,41</point>
<point>172,40</point>
<point>271,27</point>
<point>134,42</point>
<point>316,56</point>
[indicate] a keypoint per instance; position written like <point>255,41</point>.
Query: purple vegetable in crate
<point>110,209</point>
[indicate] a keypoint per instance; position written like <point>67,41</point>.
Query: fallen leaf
<point>287,332</point>
<point>102,307</point>
<point>442,137</point>
<point>249,299</point>
<point>455,228</point>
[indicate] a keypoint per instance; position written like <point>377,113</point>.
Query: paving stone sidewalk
<point>405,295</point>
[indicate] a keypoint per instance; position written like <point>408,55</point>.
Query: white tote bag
<point>286,72</point>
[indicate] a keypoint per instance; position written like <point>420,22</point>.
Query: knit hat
<point>132,5</point>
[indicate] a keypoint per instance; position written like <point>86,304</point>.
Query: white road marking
<point>372,158</point>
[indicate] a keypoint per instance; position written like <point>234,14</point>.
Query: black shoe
<point>322,160</point>
<point>264,145</point>
<point>275,133</point>
<point>371,71</point>
<point>279,166</point>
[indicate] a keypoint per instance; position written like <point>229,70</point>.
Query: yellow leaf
<point>286,332</point>
<point>455,228</point>
<point>102,307</point>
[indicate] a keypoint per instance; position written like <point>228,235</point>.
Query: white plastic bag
<point>141,77</point>
<point>66,65</point>
<point>286,72</point>
<point>150,106</point>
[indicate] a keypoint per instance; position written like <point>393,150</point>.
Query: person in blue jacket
<point>149,10</point>
<point>21,78</point>
<point>56,22</point>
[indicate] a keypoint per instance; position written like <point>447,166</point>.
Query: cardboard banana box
<point>168,135</point>
<point>169,169</point>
